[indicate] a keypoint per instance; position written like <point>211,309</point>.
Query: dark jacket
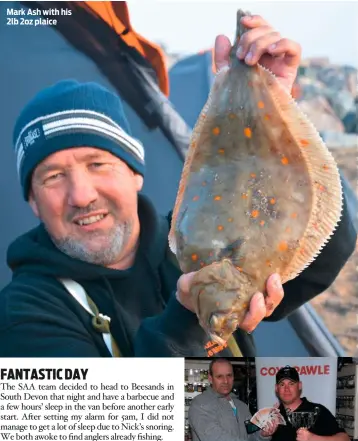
<point>325,423</point>
<point>211,418</point>
<point>38,317</point>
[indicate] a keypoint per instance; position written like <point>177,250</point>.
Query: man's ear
<point>33,204</point>
<point>300,386</point>
<point>138,182</point>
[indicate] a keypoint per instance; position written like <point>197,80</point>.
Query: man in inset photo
<point>217,414</point>
<point>305,421</point>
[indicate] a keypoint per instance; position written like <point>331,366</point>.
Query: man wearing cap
<point>288,390</point>
<point>98,262</point>
<point>217,414</point>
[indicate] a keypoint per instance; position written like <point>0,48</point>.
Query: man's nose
<point>81,191</point>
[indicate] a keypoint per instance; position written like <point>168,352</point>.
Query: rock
<point>321,114</point>
<point>341,101</point>
<point>350,121</point>
<point>351,80</point>
<point>338,85</point>
<point>339,140</point>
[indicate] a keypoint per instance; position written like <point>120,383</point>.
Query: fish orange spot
<point>268,263</point>
<point>194,257</point>
<point>247,132</point>
<point>282,246</point>
<point>232,116</point>
<point>244,195</point>
<point>255,213</point>
<point>230,219</point>
<point>217,198</point>
<point>253,175</point>
<point>262,223</point>
<point>272,201</point>
<point>294,215</point>
<point>304,142</point>
<point>321,187</point>
<point>315,225</point>
<point>288,230</point>
<point>216,131</point>
<point>195,198</point>
<point>220,227</point>
<point>266,116</point>
<point>221,151</point>
<point>325,167</point>
<point>260,105</point>
<point>284,160</point>
<point>239,268</point>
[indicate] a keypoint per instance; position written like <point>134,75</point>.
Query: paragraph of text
<point>73,404</point>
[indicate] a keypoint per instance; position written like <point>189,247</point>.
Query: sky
<point>323,28</point>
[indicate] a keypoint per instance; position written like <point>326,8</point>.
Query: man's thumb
<point>222,51</point>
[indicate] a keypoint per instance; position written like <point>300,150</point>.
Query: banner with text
<point>317,374</point>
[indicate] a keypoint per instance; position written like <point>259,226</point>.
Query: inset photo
<point>273,398</point>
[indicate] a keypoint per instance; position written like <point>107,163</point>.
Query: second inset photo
<point>278,399</point>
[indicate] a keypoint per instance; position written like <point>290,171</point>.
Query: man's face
<point>222,379</point>
<point>87,200</point>
<point>288,391</point>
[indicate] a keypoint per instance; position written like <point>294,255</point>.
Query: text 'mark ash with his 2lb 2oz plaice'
<point>259,193</point>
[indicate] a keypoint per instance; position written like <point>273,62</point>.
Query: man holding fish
<point>101,249</point>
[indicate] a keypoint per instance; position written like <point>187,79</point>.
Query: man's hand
<point>260,306</point>
<point>304,435</point>
<point>269,429</point>
<point>262,44</point>
<point>263,306</point>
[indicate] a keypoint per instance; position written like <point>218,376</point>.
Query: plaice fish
<point>267,415</point>
<point>259,193</point>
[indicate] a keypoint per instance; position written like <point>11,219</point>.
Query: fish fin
<point>189,157</point>
<point>324,175</point>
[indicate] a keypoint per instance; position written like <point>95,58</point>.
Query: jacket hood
<point>34,252</point>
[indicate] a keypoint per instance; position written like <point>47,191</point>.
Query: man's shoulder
<point>26,295</point>
<point>28,283</point>
<point>312,406</point>
<point>203,399</point>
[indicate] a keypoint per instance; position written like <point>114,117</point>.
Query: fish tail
<point>240,30</point>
